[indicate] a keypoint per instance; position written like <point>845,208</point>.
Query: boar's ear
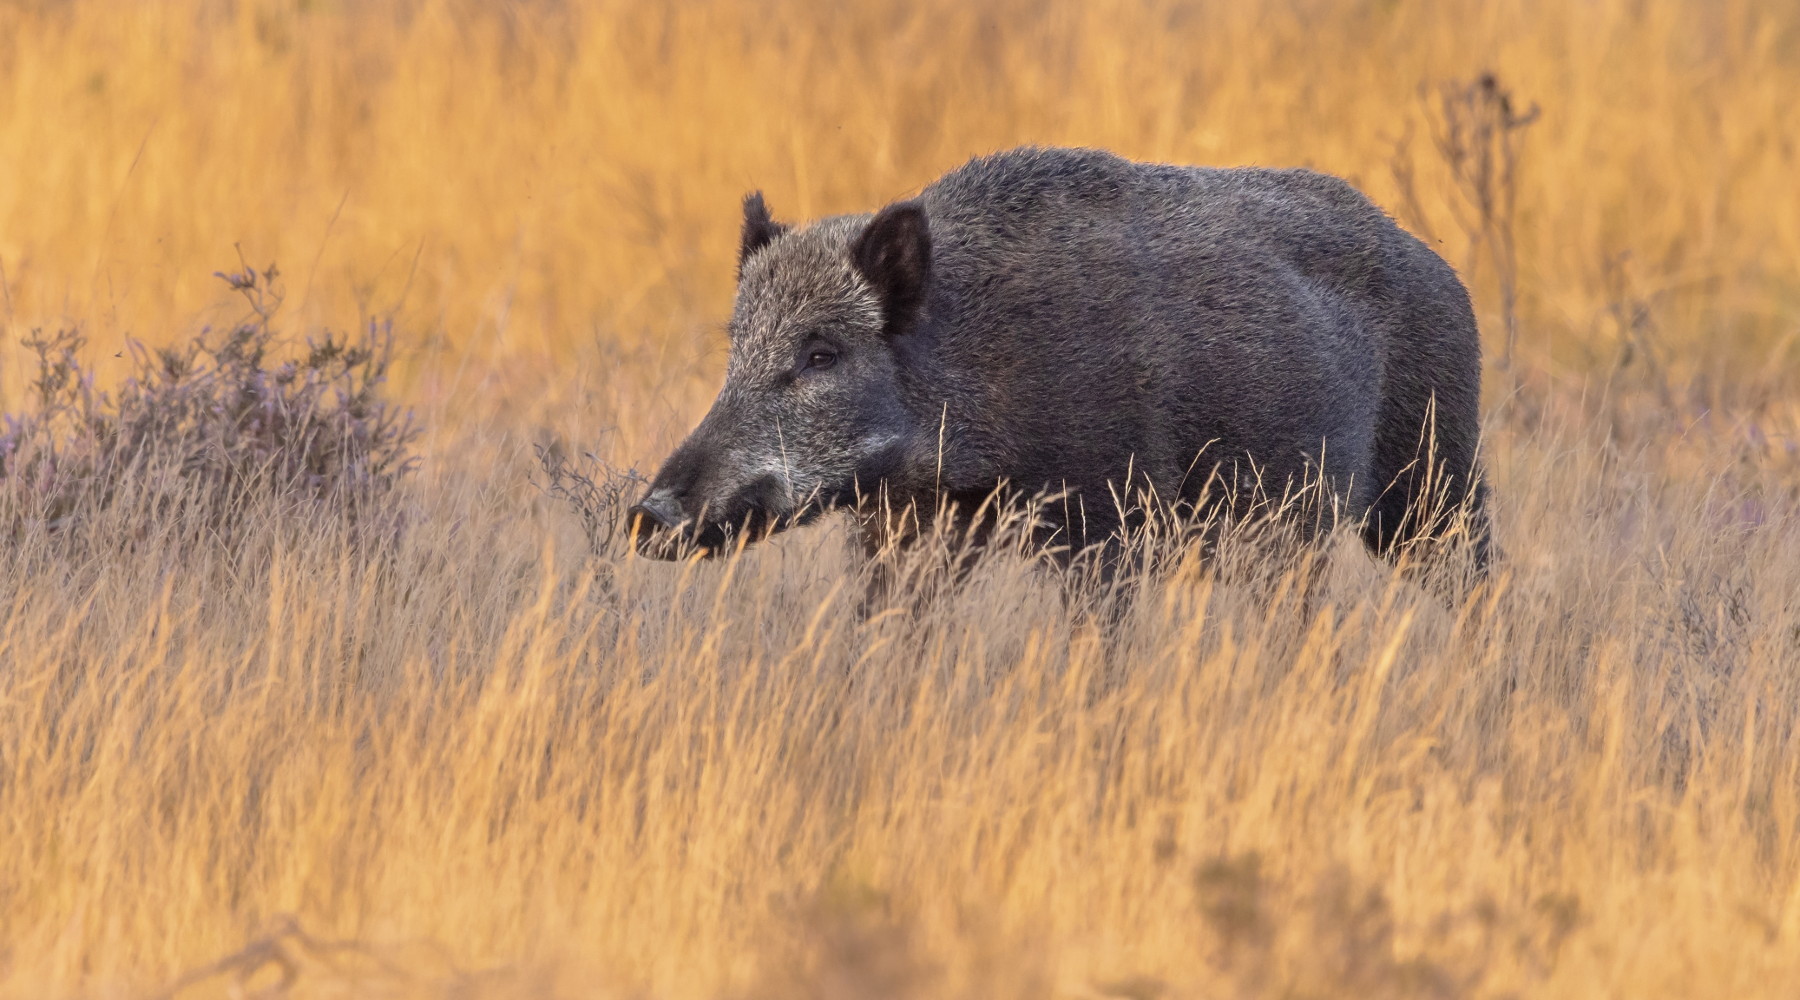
<point>759,229</point>
<point>894,255</point>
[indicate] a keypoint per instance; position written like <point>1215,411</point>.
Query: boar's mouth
<point>705,539</point>
<point>709,537</point>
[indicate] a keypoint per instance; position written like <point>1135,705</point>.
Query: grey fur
<point>1079,320</point>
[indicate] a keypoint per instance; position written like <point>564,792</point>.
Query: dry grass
<point>479,758</point>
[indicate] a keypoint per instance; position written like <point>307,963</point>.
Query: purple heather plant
<point>207,428</point>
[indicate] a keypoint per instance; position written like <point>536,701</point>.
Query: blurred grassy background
<point>514,180</point>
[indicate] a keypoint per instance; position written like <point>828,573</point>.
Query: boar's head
<point>813,412</point>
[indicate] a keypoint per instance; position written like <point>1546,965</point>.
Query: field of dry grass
<point>458,750</point>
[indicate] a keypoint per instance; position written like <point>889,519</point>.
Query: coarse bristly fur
<point>1065,322</point>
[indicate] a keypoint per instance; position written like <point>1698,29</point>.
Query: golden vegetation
<point>474,757</point>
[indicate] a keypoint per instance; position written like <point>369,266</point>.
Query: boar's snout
<point>675,519</point>
<point>660,509</point>
<point>660,524</point>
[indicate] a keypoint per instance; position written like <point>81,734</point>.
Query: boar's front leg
<point>911,563</point>
<point>887,535</point>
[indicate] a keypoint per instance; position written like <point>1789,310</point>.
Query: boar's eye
<point>820,358</point>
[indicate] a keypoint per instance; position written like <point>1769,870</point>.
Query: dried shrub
<point>1479,131</point>
<point>594,491</point>
<point>205,431</point>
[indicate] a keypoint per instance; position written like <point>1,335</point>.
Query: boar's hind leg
<point>1431,505</point>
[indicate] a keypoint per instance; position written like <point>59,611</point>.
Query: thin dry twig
<point>1478,132</point>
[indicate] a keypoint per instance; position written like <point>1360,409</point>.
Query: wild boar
<point>1067,322</point>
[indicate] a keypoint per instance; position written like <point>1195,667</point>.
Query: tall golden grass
<point>482,759</point>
